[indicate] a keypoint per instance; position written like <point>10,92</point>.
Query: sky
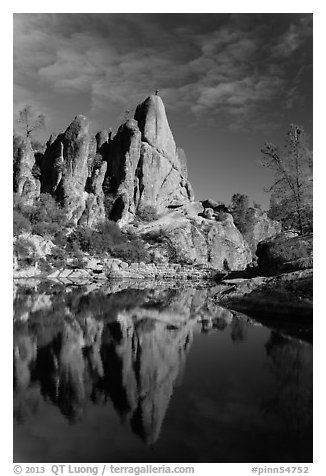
<point>229,83</point>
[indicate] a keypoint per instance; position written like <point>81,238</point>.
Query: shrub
<point>44,266</point>
<point>58,257</point>
<point>107,238</point>
<point>20,223</point>
<point>239,210</point>
<point>148,214</point>
<point>45,217</point>
<point>25,251</point>
<point>78,262</point>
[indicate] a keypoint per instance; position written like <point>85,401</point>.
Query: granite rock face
<point>65,167</point>
<point>94,205</point>
<point>260,227</point>
<point>140,176</point>
<point>144,170</point>
<point>121,179</point>
<point>25,184</point>
<point>155,129</point>
<point>286,251</point>
<point>184,237</point>
<point>73,172</point>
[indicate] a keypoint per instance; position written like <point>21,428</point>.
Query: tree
<point>239,210</point>
<point>30,121</point>
<point>291,197</point>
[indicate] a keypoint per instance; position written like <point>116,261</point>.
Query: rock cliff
<point>144,170</point>
<point>138,178</point>
<point>25,184</point>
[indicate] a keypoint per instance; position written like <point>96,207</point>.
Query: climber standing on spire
<point>156,92</point>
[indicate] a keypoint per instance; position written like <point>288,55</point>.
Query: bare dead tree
<point>30,121</point>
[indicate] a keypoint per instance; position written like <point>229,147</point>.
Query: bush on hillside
<point>44,217</point>
<point>107,238</point>
<point>25,251</point>
<point>21,224</point>
<point>148,214</point>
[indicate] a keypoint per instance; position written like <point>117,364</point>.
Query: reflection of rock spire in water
<point>150,354</point>
<point>71,392</point>
<point>135,357</point>
<point>25,350</point>
<point>26,398</point>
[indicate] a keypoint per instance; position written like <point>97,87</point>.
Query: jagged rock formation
<point>159,160</point>
<point>73,171</point>
<point>139,169</point>
<point>144,170</point>
<point>25,184</point>
<point>123,158</point>
<point>64,168</point>
<point>136,176</point>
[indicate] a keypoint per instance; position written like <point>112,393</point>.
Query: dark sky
<point>229,82</point>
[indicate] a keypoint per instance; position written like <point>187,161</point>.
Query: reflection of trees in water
<point>291,364</point>
<point>239,330</point>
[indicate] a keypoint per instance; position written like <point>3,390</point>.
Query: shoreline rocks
<point>116,269</point>
<point>286,251</point>
<point>271,296</point>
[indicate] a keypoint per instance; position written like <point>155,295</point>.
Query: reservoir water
<point>154,375</point>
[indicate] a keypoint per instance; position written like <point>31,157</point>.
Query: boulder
<point>209,213</point>
<point>273,298</point>
<point>259,227</point>
<point>286,251</point>
<point>179,238</point>
<point>217,207</point>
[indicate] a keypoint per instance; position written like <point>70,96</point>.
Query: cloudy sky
<point>229,82</point>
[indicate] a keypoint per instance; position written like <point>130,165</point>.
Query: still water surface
<point>154,375</point>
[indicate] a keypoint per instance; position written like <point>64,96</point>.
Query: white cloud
<point>122,59</point>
